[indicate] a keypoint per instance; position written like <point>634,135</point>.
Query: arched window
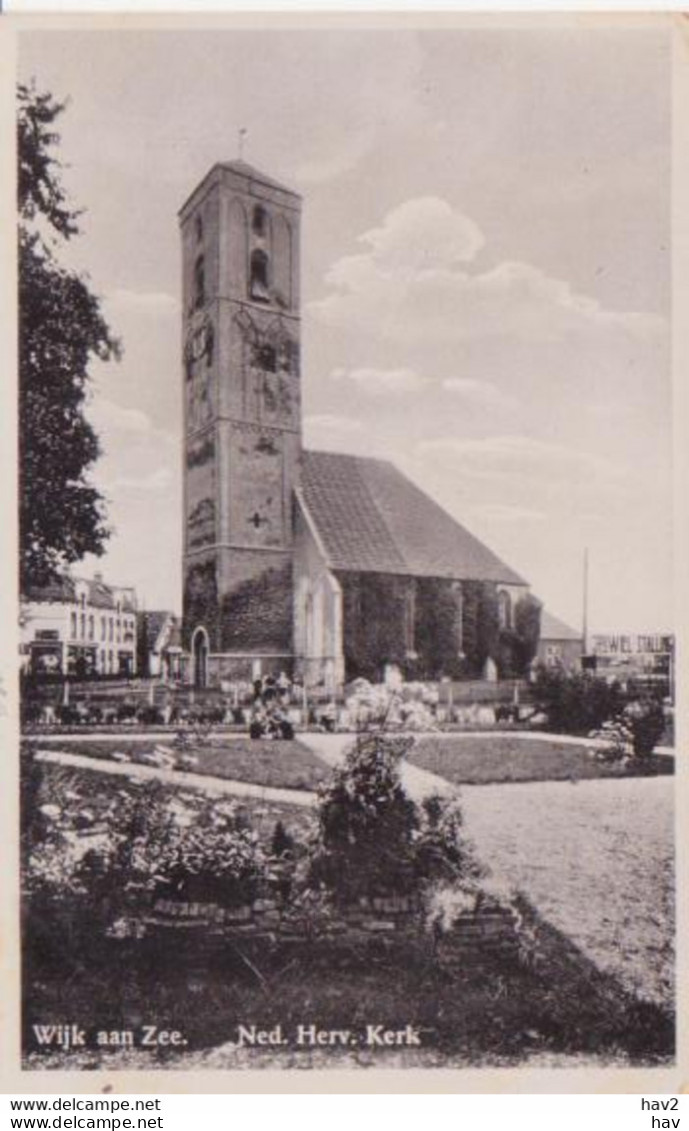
<point>504,609</point>
<point>259,220</point>
<point>259,283</point>
<point>199,283</point>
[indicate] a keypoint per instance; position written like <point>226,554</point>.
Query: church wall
<point>317,611</point>
<point>455,626</point>
<point>373,623</point>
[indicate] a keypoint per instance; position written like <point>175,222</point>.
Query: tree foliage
<point>61,331</point>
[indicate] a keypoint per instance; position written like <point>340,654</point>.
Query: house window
<point>73,624</point>
<point>103,628</point>
<point>83,625</point>
<point>504,609</point>
<point>91,628</point>
<point>110,628</point>
<point>259,283</point>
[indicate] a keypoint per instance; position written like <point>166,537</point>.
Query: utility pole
<point>585,624</point>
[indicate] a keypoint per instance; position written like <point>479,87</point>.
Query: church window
<point>504,609</point>
<point>409,619</point>
<point>259,284</point>
<point>199,283</point>
<point>259,221</point>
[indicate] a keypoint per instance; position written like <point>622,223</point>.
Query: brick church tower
<point>242,421</point>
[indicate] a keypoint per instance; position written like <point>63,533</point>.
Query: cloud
<point>144,302</point>
<point>499,512</point>
<point>158,480</point>
<point>522,460</point>
<point>379,382</point>
<point>481,393</point>
<point>330,431</point>
<point>331,420</point>
<point>421,233</point>
<point>411,285</point>
<point>106,415</point>
<point>339,161</point>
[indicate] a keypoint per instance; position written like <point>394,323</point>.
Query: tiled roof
<point>554,629</point>
<point>246,170</point>
<point>100,595</point>
<point>371,518</point>
<point>58,589</point>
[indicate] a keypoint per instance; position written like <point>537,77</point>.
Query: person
<point>257,725</point>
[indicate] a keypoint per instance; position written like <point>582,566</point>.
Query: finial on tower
<point>243,131</point>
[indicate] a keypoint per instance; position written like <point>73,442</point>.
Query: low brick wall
<point>487,932</point>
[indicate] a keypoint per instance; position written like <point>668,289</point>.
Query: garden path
<point>204,782</point>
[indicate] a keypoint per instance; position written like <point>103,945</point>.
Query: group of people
<point>270,707</point>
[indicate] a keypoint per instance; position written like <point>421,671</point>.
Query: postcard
<point>344,462</point>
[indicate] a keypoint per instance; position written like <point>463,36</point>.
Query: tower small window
<point>198,228</point>
<point>259,281</point>
<point>259,221</point>
<point>266,357</point>
<point>199,283</point>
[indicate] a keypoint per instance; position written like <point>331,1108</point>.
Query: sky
<point>485,269</point>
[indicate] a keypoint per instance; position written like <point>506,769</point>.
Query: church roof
<point>246,170</point>
<point>372,519</point>
<point>552,628</point>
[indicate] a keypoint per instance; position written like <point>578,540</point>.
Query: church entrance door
<point>200,652</point>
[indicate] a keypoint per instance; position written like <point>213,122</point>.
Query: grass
<point>480,759</point>
<point>597,859</point>
<point>466,1017</point>
<point>278,763</point>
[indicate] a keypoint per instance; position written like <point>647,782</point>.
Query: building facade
<point>559,645</point>
<point>325,566</point>
<point>79,627</point>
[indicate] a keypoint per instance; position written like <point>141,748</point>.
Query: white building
<point>79,627</point>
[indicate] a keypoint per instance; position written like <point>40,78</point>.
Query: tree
<point>61,331</point>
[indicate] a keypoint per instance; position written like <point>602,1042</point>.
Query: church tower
<point>242,421</point>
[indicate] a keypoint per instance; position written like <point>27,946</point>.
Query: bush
<point>373,839</point>
<point>646,721</point>
<point>575,702</point>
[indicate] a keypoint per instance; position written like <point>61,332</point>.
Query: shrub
<point>373,839</point>
<point>646,721</point>
<point>575,702</point>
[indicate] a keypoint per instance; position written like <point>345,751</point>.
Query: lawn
<point>479,759</point>
<point>597,859</point>
<point>283,764</point>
